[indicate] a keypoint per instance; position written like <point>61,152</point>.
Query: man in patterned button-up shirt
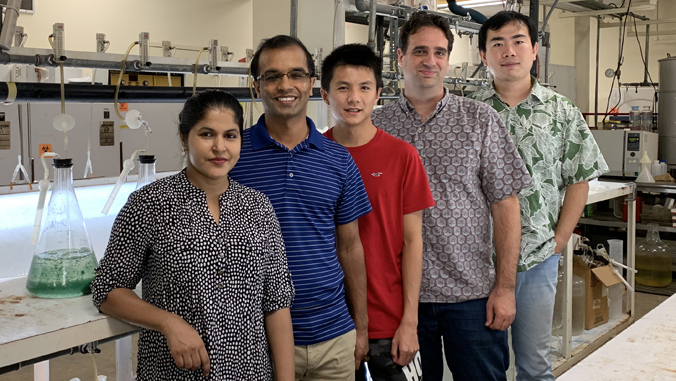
<point>561,155</point>
<point>474,173</point>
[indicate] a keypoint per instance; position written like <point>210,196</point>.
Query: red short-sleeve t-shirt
<point>396,184</point>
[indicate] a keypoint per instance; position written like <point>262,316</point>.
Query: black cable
<point>642,57</point>
<point>619,64</point>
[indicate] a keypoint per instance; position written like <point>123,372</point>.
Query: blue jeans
<point>473,351</point>
<point>532,327</point>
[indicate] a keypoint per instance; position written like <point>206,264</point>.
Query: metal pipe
<point>394,44</point>
<point>549,14</point>
<point>547,56</point>
<point>380,36</point>
<point>373,5</point>
<point>466,82</point>
<point>476,16</point>
<point>48,60</point>
<point>647,52</point>
<point>596,86</point>
<point>30,139</point>
<point>11,16</point>
<point>403,12</point>
<point>86,93</point>
<point>19,109</point>
<point>534,13</point>
<point>294,19</point>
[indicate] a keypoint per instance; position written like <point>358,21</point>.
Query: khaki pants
<point>329,360</point>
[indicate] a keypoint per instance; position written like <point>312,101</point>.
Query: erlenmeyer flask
<point>146,170</point>
<point>64,262</point>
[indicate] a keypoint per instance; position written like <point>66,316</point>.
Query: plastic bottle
<point>578,305</point>
<point>146,170</point>
<point>663,167</point>
<point>64,261</point>
<point>653,260</point>
<point>656,168</point>
<point>616,252</point>
<point>646,119</point>
<point>635,118</point>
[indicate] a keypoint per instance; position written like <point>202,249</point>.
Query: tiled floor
<point>65,368</point>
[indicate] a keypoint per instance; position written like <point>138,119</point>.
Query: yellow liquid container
<point>653,260</point>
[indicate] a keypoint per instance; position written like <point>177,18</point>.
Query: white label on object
<point>597,304</point>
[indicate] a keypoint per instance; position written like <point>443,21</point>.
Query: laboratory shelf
<point>586,343</point>
<point>609,220</point>
<point>644,351</point>
<point>568,350</point>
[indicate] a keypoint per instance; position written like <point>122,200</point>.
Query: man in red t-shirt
<point>391,234</point>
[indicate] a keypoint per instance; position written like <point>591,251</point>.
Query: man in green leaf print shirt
<point>561,155</point>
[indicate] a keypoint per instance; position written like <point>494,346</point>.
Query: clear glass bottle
<point>653,260</point>
<point>578,304</point>
<point>635,118</point>
<point>146,170</point>
<point>64,261</point>
<point>647,119</point>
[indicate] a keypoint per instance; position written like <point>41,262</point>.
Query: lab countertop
<point>32,327</point>
<point>642,352</point>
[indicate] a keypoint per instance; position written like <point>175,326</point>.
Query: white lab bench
<point>642,352</point>
<point>573,350</point>
<point>32,327</point>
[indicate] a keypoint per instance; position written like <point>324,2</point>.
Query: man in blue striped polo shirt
<point>318,195</point>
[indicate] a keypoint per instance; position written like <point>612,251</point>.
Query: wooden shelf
<point>586,343</point>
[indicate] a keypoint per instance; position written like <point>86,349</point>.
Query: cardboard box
<point>596,281</point>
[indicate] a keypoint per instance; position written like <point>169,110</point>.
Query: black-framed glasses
<point>276,77</point>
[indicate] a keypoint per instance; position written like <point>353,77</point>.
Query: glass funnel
<point>64,261</point>
<point>146,170</point>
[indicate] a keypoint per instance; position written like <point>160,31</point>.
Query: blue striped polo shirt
<point>313,188</point>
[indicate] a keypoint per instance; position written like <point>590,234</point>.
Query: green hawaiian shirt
<point>554,141</point>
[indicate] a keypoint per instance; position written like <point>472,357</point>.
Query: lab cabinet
<point>566,350</point>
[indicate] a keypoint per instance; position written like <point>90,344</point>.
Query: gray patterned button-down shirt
<point>471,163</point>
<point>559,150</point>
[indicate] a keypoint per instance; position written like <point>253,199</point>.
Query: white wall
<point>632,68</point>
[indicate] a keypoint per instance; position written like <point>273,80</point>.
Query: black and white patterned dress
<point>220,278</point>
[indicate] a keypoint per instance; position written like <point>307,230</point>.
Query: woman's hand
<point>186,345</point>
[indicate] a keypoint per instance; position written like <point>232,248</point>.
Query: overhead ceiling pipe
<point>404,12</point>
<point>293,29</point>
<point>476,16</point>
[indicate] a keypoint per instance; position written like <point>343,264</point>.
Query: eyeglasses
<point>276,77</point>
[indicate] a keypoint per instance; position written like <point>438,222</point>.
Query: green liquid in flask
<point>61,273</point>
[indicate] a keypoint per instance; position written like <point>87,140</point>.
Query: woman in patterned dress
<point>216,288</point>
